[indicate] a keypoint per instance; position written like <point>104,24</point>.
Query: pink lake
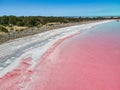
<point>87,61</point>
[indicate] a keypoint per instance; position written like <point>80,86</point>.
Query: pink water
<point>88,61</point>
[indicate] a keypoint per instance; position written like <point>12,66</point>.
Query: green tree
<point>12,20</point>
<point>4,20</point>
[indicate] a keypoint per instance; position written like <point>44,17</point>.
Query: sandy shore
<point>13,53</point>
<point>8,37</point>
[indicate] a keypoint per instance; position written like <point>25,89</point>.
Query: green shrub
<point>21,29</point>
<point>11,28</point>
<point>3,29</point>
<point>20,23</point>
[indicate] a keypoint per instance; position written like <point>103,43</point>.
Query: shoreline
<point>9,37</point>
<point>53,37</point>
<point>77,61</point>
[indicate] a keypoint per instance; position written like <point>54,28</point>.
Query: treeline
<point>11,27</point>
<point>30,21</point>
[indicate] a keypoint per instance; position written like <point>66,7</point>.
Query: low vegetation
<point>31,21</point>
<point>3,29</point>
<point>12,27</point>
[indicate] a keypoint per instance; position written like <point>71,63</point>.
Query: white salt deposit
<point>36,45</point>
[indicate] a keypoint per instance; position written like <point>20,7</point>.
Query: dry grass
<point>18,28</point>
<point>1,33</point>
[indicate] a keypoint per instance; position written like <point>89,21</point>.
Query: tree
<point>4,20</point>
<point>12,20</point>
